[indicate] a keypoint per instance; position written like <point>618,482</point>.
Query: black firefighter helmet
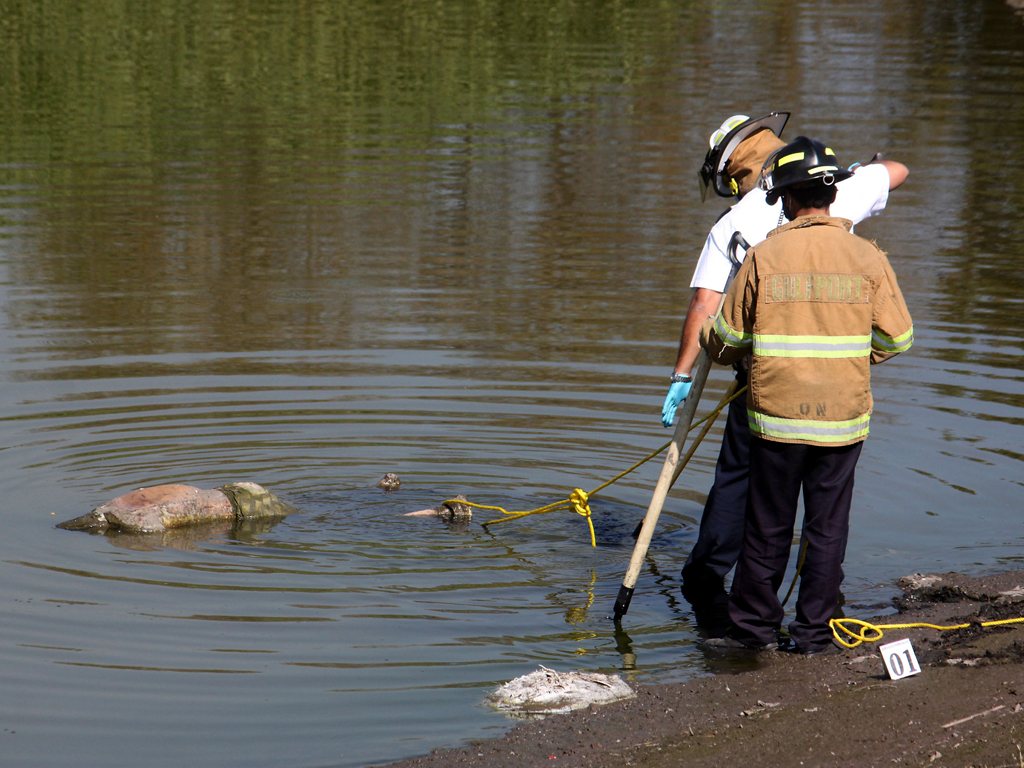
<point>801,161</point>
<point>724,141</point>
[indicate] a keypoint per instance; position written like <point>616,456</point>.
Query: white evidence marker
<point>899,659</point>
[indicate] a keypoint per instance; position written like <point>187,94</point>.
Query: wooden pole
<point>675,450</point>
<point>668,476</point>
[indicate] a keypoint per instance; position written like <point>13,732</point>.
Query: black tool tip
<point>622,602</point>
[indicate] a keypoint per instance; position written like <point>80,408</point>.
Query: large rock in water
<point>549,692</point>
<point>163,507</point>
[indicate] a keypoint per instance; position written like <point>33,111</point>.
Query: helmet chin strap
<point>784,216</point>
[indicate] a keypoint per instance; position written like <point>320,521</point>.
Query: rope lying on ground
<point>860,635</point>
<point>579,500</point>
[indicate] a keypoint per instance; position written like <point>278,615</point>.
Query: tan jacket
<point>815,305</point>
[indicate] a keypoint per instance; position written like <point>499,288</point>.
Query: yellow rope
<point>861,635</point>
<point>579,500</point>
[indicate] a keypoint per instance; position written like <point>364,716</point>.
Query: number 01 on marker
<point>899,659</point>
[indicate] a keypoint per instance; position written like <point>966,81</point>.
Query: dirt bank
<point>965,708</point>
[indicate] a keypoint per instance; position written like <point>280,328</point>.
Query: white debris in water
<point>549,692</point>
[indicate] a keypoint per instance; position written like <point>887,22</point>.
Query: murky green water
<point>307,243</point>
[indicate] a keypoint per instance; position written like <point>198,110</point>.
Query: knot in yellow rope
<point>858,631</point>
<point>580,502</point>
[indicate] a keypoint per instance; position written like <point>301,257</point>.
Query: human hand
<point>677,393</point>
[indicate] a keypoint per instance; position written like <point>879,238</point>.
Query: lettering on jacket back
<point>834,288</point>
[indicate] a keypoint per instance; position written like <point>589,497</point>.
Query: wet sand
<point>965,707</point>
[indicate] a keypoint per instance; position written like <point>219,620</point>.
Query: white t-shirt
<point>862,195</point>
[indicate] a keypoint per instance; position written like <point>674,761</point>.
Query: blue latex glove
<point>677,393</point>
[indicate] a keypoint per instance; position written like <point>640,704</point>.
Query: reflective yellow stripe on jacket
<point>730,336</point>
<point>812,346</point>
<point>898,344</point>
<point>815,431</point>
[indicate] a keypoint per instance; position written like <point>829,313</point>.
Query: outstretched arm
<point>898,172</point>
<point>703,304</point>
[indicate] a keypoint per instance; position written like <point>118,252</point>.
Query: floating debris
<point>549,692</point>
<point>390,482</point>
<point>452,510</point>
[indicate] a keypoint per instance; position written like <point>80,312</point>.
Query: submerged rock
<point>193,537</point>
<point>163,507</point>
<point>549,692</point>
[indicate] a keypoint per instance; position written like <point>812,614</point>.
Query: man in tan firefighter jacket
<point>814,305</point>
<point>732,167</point>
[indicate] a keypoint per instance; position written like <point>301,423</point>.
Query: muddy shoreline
<point>965,708</point>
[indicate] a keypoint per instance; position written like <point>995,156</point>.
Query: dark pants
<point>778,471</point>
<point>721,524</point>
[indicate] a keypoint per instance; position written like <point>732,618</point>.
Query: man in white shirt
<point>739,149</point>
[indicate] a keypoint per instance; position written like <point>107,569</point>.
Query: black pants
<point>721,524</point>
<point>778,471</point>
